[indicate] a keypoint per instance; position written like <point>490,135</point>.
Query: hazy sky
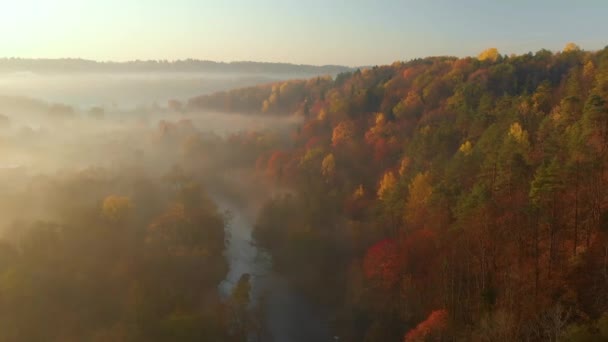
<point>350,32</point>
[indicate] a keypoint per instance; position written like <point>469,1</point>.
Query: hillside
<point>460,197</point>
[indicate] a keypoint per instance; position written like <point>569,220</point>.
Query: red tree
<point>382,263</point>
<point>429,329</point>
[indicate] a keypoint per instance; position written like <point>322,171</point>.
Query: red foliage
<point>382,263</point>
<point>381,149</point>
<point>275,164</point>
<point>430,328</point>
<point>407,73</point>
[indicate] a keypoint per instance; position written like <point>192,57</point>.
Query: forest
<point>438,199</point>
<point>443,199</point>
<point>109,229</point>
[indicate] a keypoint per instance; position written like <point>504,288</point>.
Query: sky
<point>345,32</point>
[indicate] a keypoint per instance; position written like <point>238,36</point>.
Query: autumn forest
<point>444,198</point>
<point>438,199</point>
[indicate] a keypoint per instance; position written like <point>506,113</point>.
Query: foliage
<point>430,329</point>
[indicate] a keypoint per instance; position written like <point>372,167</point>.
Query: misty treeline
<point>444,199</point>
<point>77,65</point>
<point>108,229</point>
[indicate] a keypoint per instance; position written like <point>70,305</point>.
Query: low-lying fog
<point>41,136</point>
<point>66,156</point>
<point>124,89</point>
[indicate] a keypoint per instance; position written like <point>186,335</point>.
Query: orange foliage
<point>275,164</point>
<point>343,133</point>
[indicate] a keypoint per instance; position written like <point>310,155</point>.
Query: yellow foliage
<point>322,115</point>
<point>489,54</point>
<point>380,119</point>
<point>116,208</point>
<point>265,106</point>
<point>359,192</point>
<point>420,191</point>
<point>311,155</point>
<point>328,166</point>
<point>405,163</point>
<point>571,47</point>
<point>556,114</point>
<point>518,133</point>
<point>387,184</point>
<point>426,130</point>
<point>466,148</point>
<point>589,70</point>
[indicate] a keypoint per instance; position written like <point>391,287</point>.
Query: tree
<point>116,208</point>
<point>544,192</point>
<point>386,185</point>
<point>343,133</point>
<point>466,148</point>
<point>382,264</point>
<point>430,329</point>
<point>419,195</point>
<point>570,47</point>
<point>328,167</point>
<point>490,54</point>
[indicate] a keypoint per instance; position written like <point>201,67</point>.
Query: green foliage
<point>547,181</point>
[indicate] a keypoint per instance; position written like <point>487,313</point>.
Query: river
<point>288,315</point>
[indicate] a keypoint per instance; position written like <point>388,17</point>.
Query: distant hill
<point>188,65</point>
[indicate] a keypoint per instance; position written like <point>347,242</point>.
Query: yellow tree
<point>387,184</point>
<point>359,192</point>
<point>571,47</point>
<point>328,166</point>
<point>116,208</point>
<point>404,166</point>
<point>466,148</point>
<point>416,207</point>
<point>517,133</point>
<point>490,54</point>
